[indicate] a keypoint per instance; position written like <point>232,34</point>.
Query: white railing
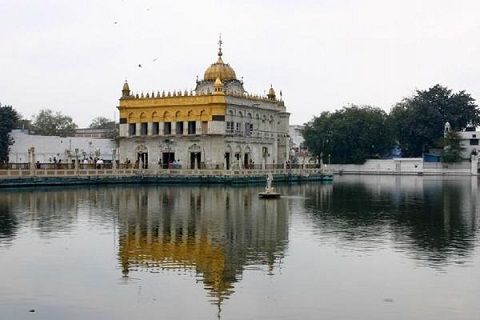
<point>18,173</point>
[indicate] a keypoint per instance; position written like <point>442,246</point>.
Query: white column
<point>138,127</point>
<point>160,128</point>
<point>173,126</point>
<point>198,127</point>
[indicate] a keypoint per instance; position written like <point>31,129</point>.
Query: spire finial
<point>220,42</point>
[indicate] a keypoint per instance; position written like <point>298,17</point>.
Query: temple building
<point>217,126</point>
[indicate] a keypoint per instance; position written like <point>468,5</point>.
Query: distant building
<point>218,125</point>
<point>93,133</point>
<point>50,148</point>
<point>469,141</point>
<point>296,135</point>
<point>298,153</point>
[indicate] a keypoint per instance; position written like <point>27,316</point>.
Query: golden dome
<point>220,70</point>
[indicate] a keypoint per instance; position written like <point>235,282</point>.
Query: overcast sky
<point>74,56</point>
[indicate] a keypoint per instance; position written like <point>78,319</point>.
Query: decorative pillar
<point>114,160</point>
<point>76,161</point>
<point>138,128</point>
<point>160,128</point>
<point>149,128</point>
<point>31,160</point>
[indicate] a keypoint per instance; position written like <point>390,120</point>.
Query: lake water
<point>362,247</point>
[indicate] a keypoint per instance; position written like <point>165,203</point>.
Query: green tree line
<point>8,121</point>
<point>415,125</point>
<point>54,123</point>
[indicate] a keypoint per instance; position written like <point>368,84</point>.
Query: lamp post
<point>76,160</point>
<point>114,159</point>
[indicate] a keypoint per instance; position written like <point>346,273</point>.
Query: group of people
<point>97,162</point>
<point>176,164</point>
<point>91,162</point>
<point>136,165</point>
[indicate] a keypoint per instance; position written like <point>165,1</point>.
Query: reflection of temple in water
<point>216,232</point>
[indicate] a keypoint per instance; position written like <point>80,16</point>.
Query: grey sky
<point>72,56</point>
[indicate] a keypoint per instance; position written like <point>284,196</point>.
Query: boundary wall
<point>408,166</point>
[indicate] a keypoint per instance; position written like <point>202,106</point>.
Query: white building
<point>469,141</point>
<point>296,135</point>
<point>50,148</point>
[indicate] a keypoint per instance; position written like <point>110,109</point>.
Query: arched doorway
<point>228,157</point>
<point>247,159</point>
<point>238,157</point>
<point>142,157</point>
<point>167,151</point>
<point>195,156</point>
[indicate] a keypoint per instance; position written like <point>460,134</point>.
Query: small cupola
<point>218,86</point>
<point>271,93</point>
<point>125,90</point>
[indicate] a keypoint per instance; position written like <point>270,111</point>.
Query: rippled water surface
<point>359,248</point>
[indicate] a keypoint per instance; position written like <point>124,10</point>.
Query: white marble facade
<point>254,134</point>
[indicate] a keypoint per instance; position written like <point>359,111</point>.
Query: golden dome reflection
<point>187,229</point>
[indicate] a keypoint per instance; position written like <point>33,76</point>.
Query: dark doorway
<point>167,159</point>
<point>246,159</point>
<point>195,158</point>
<point>227,160</point>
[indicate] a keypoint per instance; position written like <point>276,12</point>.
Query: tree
<point>418,121</point>
<point>102,123</point>
<point>452,150</point>
<point>105,123</point>
<point>350,135</point>
<point>48,123</point>
<point>8,119</point>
